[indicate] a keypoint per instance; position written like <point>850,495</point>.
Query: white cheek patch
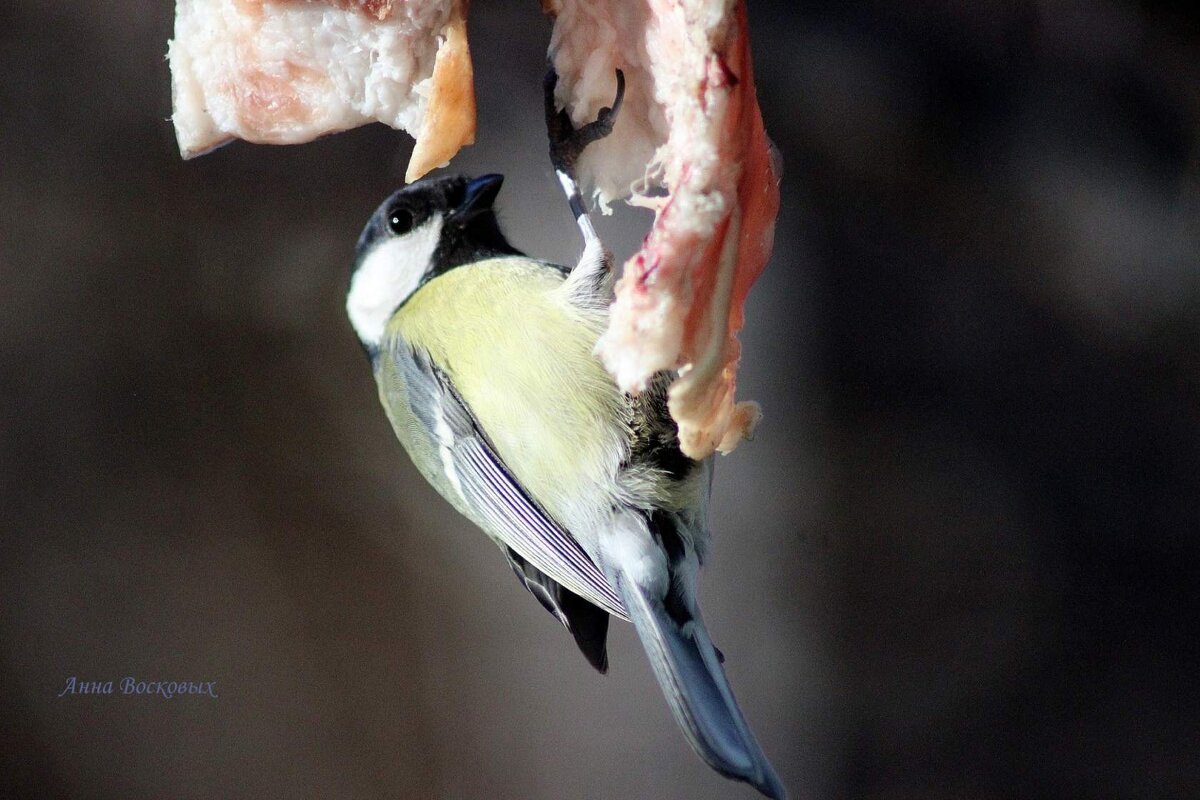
<point>387,276</point>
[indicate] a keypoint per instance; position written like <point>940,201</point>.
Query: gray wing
<point>496,499</point>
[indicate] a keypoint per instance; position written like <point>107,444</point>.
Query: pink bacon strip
<point>711,238</point>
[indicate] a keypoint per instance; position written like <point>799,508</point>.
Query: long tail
<point>689,671</point>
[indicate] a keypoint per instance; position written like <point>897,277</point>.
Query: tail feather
<point>688,669</point>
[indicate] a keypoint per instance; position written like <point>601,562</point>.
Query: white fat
<point>290,72</point>
<point>590,41</point>
<point>387,276</point>
<point>690,126</point>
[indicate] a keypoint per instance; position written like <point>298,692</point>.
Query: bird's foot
<point>566,141</point>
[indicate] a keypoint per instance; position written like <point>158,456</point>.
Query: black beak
<point>480,195</point>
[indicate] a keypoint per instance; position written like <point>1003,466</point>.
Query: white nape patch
<point>387,276</point>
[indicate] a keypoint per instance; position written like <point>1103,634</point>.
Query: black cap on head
<point>470,231</point>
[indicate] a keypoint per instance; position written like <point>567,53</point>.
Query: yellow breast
<point>521,357</point>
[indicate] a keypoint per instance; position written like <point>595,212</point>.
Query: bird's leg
<point>566,144</point>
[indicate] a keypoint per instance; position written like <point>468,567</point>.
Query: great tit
<point>485,367</point>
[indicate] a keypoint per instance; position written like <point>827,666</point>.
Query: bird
<point>483,358</point>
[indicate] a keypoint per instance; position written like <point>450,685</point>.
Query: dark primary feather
<point>586,622</point>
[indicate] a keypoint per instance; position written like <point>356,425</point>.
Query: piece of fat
<point>690,143</point>
<point>289,71</point>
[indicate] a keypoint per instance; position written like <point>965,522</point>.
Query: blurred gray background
<point>959,561</point>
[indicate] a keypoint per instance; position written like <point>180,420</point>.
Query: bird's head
<point>420,232</point>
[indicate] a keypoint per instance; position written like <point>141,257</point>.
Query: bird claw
<point>566,141</point>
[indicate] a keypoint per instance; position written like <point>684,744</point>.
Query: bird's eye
<point>400,221</point>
